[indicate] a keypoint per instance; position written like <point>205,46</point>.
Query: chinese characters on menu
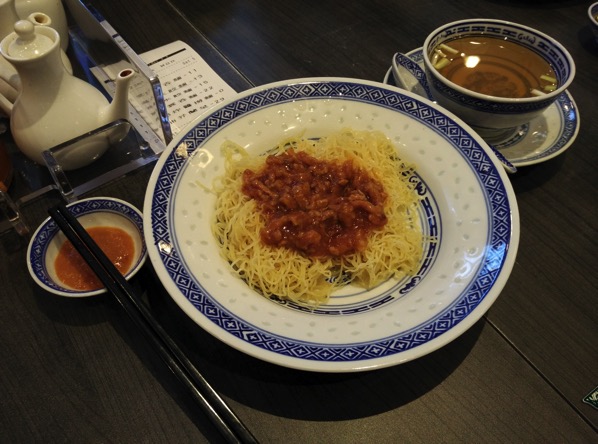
<point>189,85</point>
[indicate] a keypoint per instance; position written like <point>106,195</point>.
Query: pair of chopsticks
<point>213,405</point>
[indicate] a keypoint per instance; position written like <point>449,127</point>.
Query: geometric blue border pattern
<point>567,129</point>
<point>495,193</point>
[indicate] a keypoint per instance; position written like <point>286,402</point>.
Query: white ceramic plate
<point>91,212</point>
<point>543,138</point>
<point>468,209</point>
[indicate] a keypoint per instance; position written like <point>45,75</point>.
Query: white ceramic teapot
<point>8,17</point>
<point>10,84</point>
<point>53,9</point>
<point>54,106</point>
<point>12,11</point>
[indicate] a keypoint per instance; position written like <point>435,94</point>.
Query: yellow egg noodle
<point>394,250</point>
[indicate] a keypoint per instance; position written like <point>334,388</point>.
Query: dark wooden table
<point>79,371</point>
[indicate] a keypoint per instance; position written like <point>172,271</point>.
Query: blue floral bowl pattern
<point>487,112</point>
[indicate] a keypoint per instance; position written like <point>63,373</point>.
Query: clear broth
<point>494,66</point>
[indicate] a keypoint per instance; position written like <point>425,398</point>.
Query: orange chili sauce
<point>73,271</point>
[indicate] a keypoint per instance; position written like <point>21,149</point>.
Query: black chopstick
<point>213,405</point>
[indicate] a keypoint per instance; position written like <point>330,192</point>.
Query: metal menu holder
<point>95,47</point>
<point>116,52</point>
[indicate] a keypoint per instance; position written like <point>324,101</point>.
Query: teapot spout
<point>119,108</point>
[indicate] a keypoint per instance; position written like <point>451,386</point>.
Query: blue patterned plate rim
<point>162,223</point>
<point>542,139</point>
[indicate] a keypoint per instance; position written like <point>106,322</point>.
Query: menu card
<point>189,85</point>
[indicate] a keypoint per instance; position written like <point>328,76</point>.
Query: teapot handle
<point>10,85</point>
<point>8,95</point>
<point>5,106</point>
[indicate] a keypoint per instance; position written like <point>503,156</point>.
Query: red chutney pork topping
<point>318,207</point>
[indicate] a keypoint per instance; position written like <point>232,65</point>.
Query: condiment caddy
<point>55,106</point>
<point>95,45</point>
<point>80,127</point>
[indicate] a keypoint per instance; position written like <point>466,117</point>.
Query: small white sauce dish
<point>92,212</point>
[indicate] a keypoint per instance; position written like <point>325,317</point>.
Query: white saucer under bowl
<point>543,138</point>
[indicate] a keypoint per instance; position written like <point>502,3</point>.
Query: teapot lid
<point>28,43</point>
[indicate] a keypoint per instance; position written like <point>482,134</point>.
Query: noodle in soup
<point>494,66</point>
